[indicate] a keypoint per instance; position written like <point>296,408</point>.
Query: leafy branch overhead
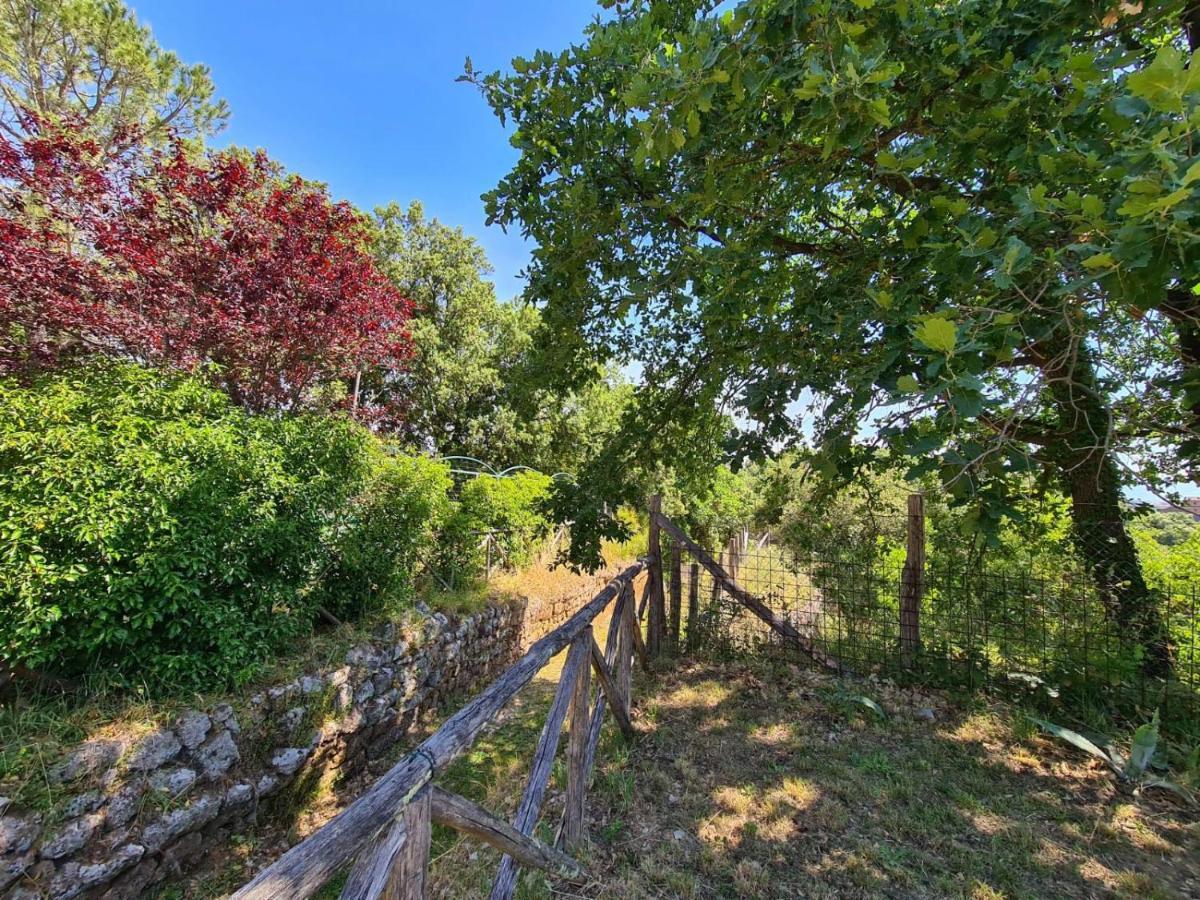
<point>967,224</point>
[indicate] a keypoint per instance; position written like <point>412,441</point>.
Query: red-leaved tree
<point>172,260</point>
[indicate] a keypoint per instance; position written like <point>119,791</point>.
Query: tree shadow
<point>755,780</point>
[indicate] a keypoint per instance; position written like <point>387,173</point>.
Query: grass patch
<point>758,780</point>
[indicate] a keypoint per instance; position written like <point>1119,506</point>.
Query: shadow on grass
<point>761,781</point>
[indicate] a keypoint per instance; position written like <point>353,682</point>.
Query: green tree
<point>957,233</point>
<point>468,388</point>
<point>466,344</point>
<point>91,59</point>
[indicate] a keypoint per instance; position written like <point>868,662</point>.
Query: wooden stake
<point>395,868</point>
<point>912,583</point>
<point>693,605</point>
<point>656,628</point>
<point>543,761</point>
<point>574,826</point>
<point>676,596</point>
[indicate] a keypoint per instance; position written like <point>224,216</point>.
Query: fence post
<point>912,583</point>
<point>676,595</point>
<point>574,825</point>
<point>693,620</point>
<point>656,626</point>
<point>394,869</point>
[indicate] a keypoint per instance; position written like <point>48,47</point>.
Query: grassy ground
<point>754,781</point>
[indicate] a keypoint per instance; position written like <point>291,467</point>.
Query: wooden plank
<point>471,819</point>
<point>656,625</point>
<point>574,825</point>
<point>693,616</point>
<point>676,597</point>
<point>612,647</point>
<point>622,662</point>
<point>369,876</point>
<point>395,868</point>
<point>912,583</point>
<point>754,604</point>
<point>609,685</point>
<point>303,870</point>
<point>635,631</point>
<point>543,762</point>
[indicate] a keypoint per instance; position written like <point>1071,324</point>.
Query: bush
<point>154,532</point>
<point>512,508</point>
<point>386,533</point>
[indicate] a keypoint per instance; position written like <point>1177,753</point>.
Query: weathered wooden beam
<point>621,664</point>
<point>543,762</point>
<point>395,868</point>
<point>656,625</point>
<point>754,604</point>
<point>693,636</point>
<point>303,870</point>
<point>609,685</point>
<point>635,632</point>
<point>612,647</point>
<point>469,818</point>
<point>676,597</point>
<point>574,811</point>
<point>371,872</point>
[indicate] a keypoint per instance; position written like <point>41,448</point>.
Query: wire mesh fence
<point>1034,621</point>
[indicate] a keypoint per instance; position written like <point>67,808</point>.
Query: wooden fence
<point>386,831</point>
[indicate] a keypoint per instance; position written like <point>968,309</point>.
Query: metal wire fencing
<point>1031,618</point>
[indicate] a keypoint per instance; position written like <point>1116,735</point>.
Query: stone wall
<point>135,811</point>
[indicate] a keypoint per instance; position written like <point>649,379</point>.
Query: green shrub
<point>511,508</point>
<point>153,531</point>
<point>387,533</point>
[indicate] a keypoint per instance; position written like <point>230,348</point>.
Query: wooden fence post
<point>395,868</point>
<point>577,747</point>
<point>656,626</point>
<point>693,605</point>
<point>912,583</point>
<point>676,595</point>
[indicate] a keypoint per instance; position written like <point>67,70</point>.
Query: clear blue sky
<point>361,94</point>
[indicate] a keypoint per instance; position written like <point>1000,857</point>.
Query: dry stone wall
<point>136,811</point>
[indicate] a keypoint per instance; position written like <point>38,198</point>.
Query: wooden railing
<point>658,634</point>
<point>386,831</point>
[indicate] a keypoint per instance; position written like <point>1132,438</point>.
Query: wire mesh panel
<point>1036,623</point>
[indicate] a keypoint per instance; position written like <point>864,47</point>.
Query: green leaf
<point>1164,82</point>
<point>1075,739</point>
<point>908,384</point>
<point>1092,206</point>
<point>1141,751</point>
<point>938,334</point>
<point>870,704</point>
<point>1099,261</point>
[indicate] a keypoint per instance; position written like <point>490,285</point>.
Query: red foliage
<point>171,260</point>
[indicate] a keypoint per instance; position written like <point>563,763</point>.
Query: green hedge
<point>387,532</point>
<point>512,508</point>
<point>154,532</point>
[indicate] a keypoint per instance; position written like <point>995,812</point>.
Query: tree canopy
<point>953,233</point>
<point>222,261</point>
<point>468,388</point>
<point>91,60</point>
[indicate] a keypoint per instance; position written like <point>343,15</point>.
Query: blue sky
<point>361,94</point>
